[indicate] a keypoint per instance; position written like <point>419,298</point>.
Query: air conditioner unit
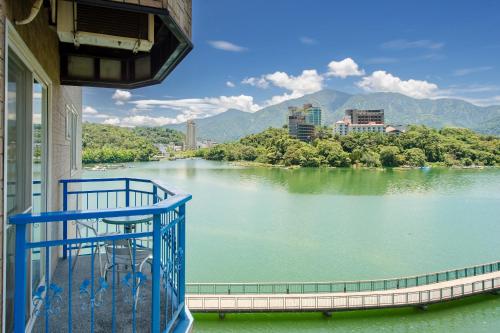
<point>83,24</point>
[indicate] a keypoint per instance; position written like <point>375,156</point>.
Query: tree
<point>248,153</point>
<point>370,159</point>
<point>333,154</point>
<point>216,153</point>
<point>389,156</point>
<point>414,157</point>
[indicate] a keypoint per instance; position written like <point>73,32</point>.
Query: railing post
<point>155,194</point>
<point>182,245</point>
<point>65,222</point>
<point>155,297</point>
<point>20,284</point>
<point>127,192</point>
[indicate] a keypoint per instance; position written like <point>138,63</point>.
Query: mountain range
<point>399,110</point>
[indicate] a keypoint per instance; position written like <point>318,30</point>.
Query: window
<point>72,135</point>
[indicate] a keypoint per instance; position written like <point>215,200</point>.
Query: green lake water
<point>253,224</point>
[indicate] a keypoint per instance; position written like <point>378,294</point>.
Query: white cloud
<point>401,44</point>
<point>226,46</point>
<point>467,71</point>
<point>102,116</point>
<point>133,121</point>
<point>308,82</point>
<point>88,110</point>
<point>385,82</point>
<point>256,82</point>
<point>308,40</point>
<point>344,68</point>
<point>230,84</point>
<point>121,96</point>
<point>112,121</point>
<point>198,107</point>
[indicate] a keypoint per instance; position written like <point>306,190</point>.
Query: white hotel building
<point>344,127</point>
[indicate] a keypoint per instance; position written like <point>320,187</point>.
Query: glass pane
<point>18,196</point>
<point>39,130</point>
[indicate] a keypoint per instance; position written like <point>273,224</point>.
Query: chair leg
<point>148,259</point>
<point>79,249</point>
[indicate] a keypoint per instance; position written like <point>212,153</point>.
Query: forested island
<point>418,146</point>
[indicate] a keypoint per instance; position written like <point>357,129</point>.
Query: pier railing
<point>339,302</point>
<point>149,255</point>
<point>340,286</point>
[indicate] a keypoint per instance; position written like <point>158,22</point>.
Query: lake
<point>256,224</point>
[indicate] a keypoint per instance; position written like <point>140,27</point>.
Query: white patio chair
<point>91,226</point>
<point>120,254</point>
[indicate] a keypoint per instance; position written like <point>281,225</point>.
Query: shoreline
<point>109,166</point>
<point>426,167</point>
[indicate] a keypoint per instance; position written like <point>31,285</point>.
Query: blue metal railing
<point>86,295</point>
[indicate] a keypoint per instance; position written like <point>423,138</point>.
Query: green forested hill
<point>110,144</point>
<point>160,135</point>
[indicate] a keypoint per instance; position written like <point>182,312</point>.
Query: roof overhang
<point>98,64</point>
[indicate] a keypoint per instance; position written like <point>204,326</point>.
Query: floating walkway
<point>327,297</point>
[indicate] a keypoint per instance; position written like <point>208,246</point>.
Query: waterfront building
<point>341,127</point>
<point>206,144</point>
<point>48,51</point>
<point>302,122</point>
<point>395,129</point>
<point>162,148</point>
<point>360,121</point>
<point>191,135</point>
<point>306,132</point>
<point>295,117</point>
<point>313,114</point>
<point>365,116</point>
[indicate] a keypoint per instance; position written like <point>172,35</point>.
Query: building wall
<point>2,114</point>
<point>365,116</point>
<point>314,116</point>
<point>190,134</point>
<point>306,132</point>
<point>43,43</point>
<point>366,128</point>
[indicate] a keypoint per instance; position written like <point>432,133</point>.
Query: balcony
<point>119,265</point>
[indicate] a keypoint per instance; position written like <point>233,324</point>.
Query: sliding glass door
<point>26,163</point>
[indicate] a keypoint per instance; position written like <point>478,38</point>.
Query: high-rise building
<point>313,114</point>
<point>190,134</point>
<point>306,132</point>
<point>295,117</point>
<point>302,122</point>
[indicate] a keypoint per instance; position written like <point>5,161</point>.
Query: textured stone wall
<point>181,10</point>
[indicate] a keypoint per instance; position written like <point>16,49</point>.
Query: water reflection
<point>359,181</point>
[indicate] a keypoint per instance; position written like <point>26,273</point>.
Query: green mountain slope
<point>399,109</point>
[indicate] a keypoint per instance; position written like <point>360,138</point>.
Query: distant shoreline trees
<point>417,147</point>
<point>113,144</point>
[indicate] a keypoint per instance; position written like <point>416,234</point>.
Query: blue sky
<point>251,54</point>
